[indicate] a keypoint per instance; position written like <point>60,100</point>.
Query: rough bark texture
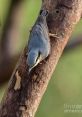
<point>25,90</point>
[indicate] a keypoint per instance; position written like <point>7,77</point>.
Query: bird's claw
<point>53,35</point>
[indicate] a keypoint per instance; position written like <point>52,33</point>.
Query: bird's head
<point>34,57</point>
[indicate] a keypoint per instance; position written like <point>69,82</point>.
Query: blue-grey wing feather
<point>39,40</point>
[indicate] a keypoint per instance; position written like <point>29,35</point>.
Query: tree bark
<point>25,90</point>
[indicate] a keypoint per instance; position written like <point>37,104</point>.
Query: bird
<point>39,41</point>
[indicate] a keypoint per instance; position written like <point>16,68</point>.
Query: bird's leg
<point>53,35</point>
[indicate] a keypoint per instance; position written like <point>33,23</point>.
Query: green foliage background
<point>65,86</point>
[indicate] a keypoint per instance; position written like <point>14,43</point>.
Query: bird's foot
<point>53,35</point>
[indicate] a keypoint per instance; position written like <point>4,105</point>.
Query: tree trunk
<point>25,91</point>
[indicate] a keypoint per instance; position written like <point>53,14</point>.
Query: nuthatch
<point>39,42</point>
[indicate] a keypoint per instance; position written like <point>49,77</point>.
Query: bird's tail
<point>44,12</point>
